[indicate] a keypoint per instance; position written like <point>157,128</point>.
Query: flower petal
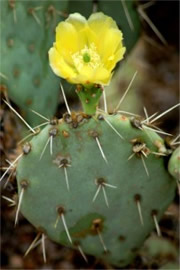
<point>59,66</point>
<point>100,23</point>
<point>77,20</point>
<point>108,38</point>
<point>112,48</point>
<point>68,40</point>
<point>89,75</point>
<point>110,43</point>
<point>102,76</point>
<point>66,37</point>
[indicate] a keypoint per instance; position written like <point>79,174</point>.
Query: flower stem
<point>89,96</point>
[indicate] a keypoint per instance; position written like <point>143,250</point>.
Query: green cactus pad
<point>174,164</point>
<point>27,33</point>
<point>84,154</point>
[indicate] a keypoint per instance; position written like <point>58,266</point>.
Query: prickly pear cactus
<point>86,180</point>
<point>93,181</point>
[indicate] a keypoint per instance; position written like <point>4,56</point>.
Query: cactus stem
<point>113,128</point>
<point>43,247</point>
<point>22,119</point>
<point>154,215</point>
<point>101,150</point>
<point>145,167</point>
<point>125,93</point>
<point>10,166</point>
<point>65,99</point>
<point>138,203</point>
<point>32,245</point>
<point>40,115</point>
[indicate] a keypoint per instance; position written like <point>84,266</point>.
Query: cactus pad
<point>85,187</point>
<point>27,33</point>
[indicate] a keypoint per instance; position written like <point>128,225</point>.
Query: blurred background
<point>151,34</point>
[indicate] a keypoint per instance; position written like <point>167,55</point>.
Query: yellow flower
<point>86,51</point>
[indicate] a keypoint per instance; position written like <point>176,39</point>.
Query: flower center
<point>88,56</point>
